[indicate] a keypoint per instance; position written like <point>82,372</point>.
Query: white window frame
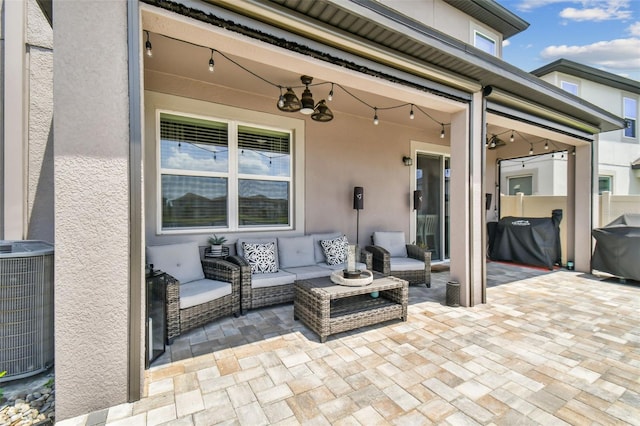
<point>479,34</point>
<point>626,116</point>
<point>171,104</point>
<point>608,177</point>
<point>528,175</point>
<point>565,83</point>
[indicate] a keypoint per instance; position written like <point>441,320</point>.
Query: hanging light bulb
<point>523,164</point>
<point>442,131</point>
<point>573,152</point>
<point>531,149</point>
<point>147,46</point>
<point>281,99</point>
<point>375,116</point>
<point>211,63</point>
<point>330,97</point>
<point>511,139</point>
<point>411,114</point>
<point>546,145</point>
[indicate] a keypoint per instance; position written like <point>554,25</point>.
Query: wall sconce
<point>407,161</point>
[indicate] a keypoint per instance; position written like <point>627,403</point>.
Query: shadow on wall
<point>41,217</point>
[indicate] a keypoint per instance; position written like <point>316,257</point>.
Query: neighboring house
<point>618,150</point>
<point>405,83</point>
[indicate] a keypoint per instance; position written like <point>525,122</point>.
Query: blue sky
<point>604,34</point>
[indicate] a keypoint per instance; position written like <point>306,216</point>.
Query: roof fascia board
<point>500,68</point>
<point>583,71</point>
<point>507,104</point>
<point>298,24</point>
<point>509,19</point>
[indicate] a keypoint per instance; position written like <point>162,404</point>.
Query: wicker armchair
<point>195,301</point>
<point>391,256</point>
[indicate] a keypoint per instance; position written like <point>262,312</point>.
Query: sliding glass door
<point>432,219</point>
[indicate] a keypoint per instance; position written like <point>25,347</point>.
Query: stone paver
<point>548,348</point>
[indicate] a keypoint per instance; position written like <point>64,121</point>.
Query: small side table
<point>224,254</point>
<point>156,328</point>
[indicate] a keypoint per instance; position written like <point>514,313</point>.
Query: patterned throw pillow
<point>261,257</point>
<point>335,250</point>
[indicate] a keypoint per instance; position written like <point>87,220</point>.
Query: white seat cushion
<point>202,291</point>
<point>392,241</point>
<point>308,272</point>
<point>295,251</point>
<point>181,261</point>
<point>270,280</point>
<point>405,264</point>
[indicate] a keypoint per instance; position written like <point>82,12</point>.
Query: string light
<point>546,146</point>
<point>212,64</point>
<point>530,149</point>
<point>147,46</point>
<point>511,139</point>
<point>573,152</point>
<point>283,98</point>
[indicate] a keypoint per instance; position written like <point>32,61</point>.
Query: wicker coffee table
<point>328,308</point>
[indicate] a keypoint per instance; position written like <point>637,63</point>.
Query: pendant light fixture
<point>308,105</point>
<point>322,112</point>
<point>289,102</point>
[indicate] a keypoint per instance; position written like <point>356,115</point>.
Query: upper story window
<point>630,113</point>
<point>569,87</point>
<point>223,174</point>
<point>605,183</point>
<point>484,42</point>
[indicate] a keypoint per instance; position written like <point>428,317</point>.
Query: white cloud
<point>608,13</point>
<point>634,29</point>
<point>527,5</point>
<point>584,10</point>
<point>620,54</point>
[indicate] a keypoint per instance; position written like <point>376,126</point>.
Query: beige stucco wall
<point>40,223</point>
<point>91,125</point>
<point>346,152</point>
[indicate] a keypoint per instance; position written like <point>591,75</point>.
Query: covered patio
<point>548,348</point>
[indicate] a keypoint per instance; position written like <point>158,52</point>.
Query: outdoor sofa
<point>271,266</point>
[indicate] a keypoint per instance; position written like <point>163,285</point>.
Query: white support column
<point>92,232</point>
<point>14,121</point>
<point>467,204</point>
<point>586,184</point>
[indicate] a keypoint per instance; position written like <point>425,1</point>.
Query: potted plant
<point>216,244</point>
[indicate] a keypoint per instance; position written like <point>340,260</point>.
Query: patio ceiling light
<point>289,101</point>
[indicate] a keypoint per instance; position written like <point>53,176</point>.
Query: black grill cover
<point>529,240</point>
<point>618,247</point>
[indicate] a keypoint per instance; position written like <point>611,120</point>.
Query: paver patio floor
<point>548,348</point>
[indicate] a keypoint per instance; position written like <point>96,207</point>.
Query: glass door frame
<point>421,148</point>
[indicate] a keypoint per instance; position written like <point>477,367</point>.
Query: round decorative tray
<point>365,278</point>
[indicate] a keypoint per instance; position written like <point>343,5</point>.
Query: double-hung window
<point>630,114</point>
<point>223,175</point>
